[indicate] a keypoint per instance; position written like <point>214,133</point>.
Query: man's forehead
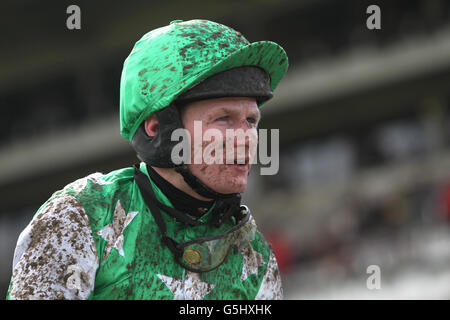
<point>233,110</point>
<point>236,109</point>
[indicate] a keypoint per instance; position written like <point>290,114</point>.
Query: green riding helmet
<point>168,61</point>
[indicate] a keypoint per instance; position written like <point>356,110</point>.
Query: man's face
<point>222,114</point>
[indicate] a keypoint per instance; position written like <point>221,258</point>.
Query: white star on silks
<point>80,184</point>
<point>191,288</point>
<point>113,233</point>
<point>252,260</point>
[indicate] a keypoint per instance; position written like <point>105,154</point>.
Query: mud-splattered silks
<point>96,239</point>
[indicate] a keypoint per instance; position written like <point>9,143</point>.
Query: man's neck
<point>177,181</point>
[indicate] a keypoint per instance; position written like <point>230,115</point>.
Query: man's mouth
<point>243,167</point>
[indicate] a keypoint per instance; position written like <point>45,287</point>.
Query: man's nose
<point>244,135</point>
<point>243,124</point>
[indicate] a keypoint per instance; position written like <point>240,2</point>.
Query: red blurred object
<point>282,248</point>
<point>444,201</point>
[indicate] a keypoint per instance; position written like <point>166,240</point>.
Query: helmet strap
<point>227,205</point>
<point>199,186</point>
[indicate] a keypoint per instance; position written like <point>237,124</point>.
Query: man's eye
<point>251,120</point>
<point>222,118</point>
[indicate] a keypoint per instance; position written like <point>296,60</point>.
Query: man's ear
<point>151,125</point>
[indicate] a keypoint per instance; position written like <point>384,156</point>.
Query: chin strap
<point>199,186</point>
<point>224,208</point>
<point>227,205</point>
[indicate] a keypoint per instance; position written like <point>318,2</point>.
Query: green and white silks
<point>96,239</point>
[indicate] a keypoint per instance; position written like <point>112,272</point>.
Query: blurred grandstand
<point>363,115</point>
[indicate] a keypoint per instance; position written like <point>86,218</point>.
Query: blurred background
<point>364,120</point>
